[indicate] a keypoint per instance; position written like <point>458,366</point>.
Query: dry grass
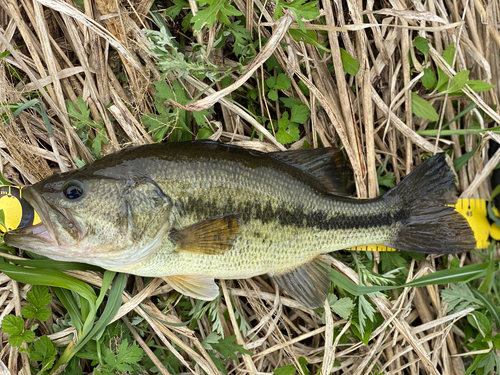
<point>63,52</point>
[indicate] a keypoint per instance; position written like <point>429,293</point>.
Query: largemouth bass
<point>197,211</point>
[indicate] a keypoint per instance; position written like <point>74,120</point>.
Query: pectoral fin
<point>212,236</point>
<point>309,283</point>
<point>200,287</point>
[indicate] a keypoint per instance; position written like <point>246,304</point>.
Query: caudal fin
<point>431,227</point>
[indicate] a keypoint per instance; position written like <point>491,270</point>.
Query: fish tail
<point>430,225</point>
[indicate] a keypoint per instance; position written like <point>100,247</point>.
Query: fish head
<point>106,221</point>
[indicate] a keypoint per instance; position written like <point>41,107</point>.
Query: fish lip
<point>39,205</point>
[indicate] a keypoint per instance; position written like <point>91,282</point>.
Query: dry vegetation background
<point>61,51</point>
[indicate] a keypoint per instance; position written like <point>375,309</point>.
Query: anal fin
<point>309,283</point>
<point>196,286</point>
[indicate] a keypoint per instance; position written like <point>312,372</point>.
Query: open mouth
<point>42,231</point>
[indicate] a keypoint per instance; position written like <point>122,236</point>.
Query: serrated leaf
<point>28,335</point>
<point>43,314</point>
<point>422,108</point>
<point>421,44</point>
<point>428,79</point>
<point>457,82</point>
<point>282,82</point>
<point>16,340</point>
<point>175,10</point>
<point>212,338</point>
<point>43,350</point>
<point>287,136</point>
<point>273,95</point>
<point>217,9</point>
<point>227,348</point>
<point>343,307</point>
<point>29,312</point>
<point>39,296</point>
<point>349,63</point>
<point>271,82</point>
<point>300,114</point>
<point>13,325</point>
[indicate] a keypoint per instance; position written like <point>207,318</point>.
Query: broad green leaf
<point>421,44</point>
<point>28,336</point>
<point>290,102</point>
<point>428,79</point>
<point>479,86</point>
<point>282,82</point>
<point>448,55</point>
<point>350,64</point>
<point>43,350</point>
<point>271,82</point>
<point>43,314</point>
<point>300,114</point>
<point>288,136</point>
<point>29,312</point>
<point>422,108</point>
<point>39,296</point>
<point>13,325</point>
<point>175,10</point>
<point>16,340</point>
<point>457,82</point>
<point>272,94</point>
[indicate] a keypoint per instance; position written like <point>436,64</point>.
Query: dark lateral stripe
<point>294,217</point>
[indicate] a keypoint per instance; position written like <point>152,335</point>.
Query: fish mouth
<point>42,232</point>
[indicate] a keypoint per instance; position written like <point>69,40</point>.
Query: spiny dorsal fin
<point>309,283</point>
<point>196,286</point>
<point>326,165</point>
<point>213,236</point>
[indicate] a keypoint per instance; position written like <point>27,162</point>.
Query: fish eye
<point>73,189</point>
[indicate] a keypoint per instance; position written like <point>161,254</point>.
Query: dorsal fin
<point>326,165</point>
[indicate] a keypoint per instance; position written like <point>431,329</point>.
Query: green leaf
<point>16,340</point>
<point>271,82</point>
<point>289,135</point>
<point>428,79</point>
<point>227,348</point>
<point>300,114</point>
<point>39,296</point>
<point>217,10</point>
<point>343,307</point>
<point>43,314</point>
<point>28,335</point>
<point>290,102</point>
<point>457,82</point>
<point>443,79</point>
<point>29,312</point>
<point>43,350</point>
<point>282,82</point>
<point>479,86</point>
<point>285,370</point>
<point>422,108</point>
<point>13,325</point>
<point>421,44</point>
<point>212,338</point>
<point>175,10</point>
<point>273,95</point>
<point>349,64</point>
<point>309,37</point>
<point>481,322</point>
<point>300,10</point>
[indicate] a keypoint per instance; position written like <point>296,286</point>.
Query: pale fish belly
<point>260,249</point>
